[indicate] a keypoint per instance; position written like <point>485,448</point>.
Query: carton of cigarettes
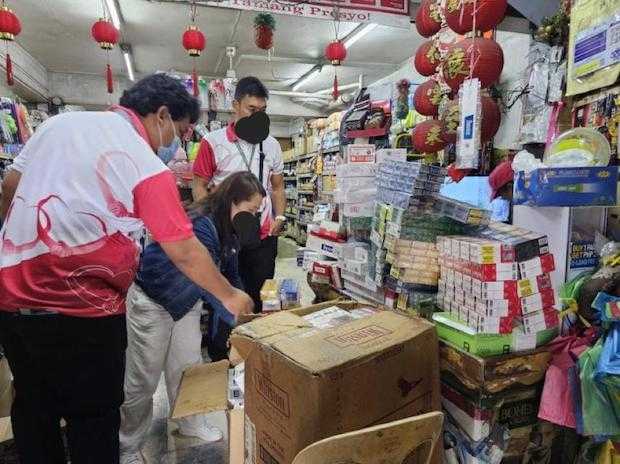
<point>489,252</point>
<point>538,301</point>
<point>537,266</point>
<point>492,325</point>
<point>359,153</point>
<point>498,308</point>
<point>525,244</point>
<point>527,287</point>
<point>506,290</point>
<point>493,272</point>
<point>540,320</point>
<point>356,170</point>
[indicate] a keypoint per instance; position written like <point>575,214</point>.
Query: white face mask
<point>166,153</point>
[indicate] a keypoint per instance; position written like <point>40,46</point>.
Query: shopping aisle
<point>286,267</point>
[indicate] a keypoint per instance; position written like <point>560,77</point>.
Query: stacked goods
<point>498,282</point>
<point>462,212</point>
<point>354,271</point>
<point>278,294</point>
<point>402,183</point>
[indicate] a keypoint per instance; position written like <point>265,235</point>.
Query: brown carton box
<point>304,384</point>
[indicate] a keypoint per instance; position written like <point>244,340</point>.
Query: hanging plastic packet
<point>468,133</point>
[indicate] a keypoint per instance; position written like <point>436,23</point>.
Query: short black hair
<point>250,87</point>
<point>149,94</point>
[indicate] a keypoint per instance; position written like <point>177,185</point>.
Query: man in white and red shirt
<point>82,190</point>
<point>235,148</point>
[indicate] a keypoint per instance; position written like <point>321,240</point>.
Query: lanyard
<point>245,159</point>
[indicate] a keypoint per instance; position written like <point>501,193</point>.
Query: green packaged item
<point>458,334</point>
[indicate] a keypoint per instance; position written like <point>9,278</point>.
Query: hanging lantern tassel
<point>110,81</point>
<point>9,70</point>
<point>335,92</point>
<point>195,83</point>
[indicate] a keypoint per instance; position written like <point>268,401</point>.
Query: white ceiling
<point>57,33</point>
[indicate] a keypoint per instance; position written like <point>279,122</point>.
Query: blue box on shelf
<point>579,186</point>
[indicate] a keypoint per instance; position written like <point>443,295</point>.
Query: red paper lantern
<point>427,58</point>
<point>476,58</point>
<point>105,34</point>
<point>10,27</point>
<point>491,119</point>
<point>426,136</point>
<point>264,25</point>
<point>427,98</point>
<point>335,52</point>
<point>428,19</point>
<point>194,41</point>
<point>451,119</point>
<point>488,14</point>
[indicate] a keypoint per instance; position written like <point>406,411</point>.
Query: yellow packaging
<point>270,290</point>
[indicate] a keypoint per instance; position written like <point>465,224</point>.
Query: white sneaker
<point>205,432</point>
<point>132,458</point>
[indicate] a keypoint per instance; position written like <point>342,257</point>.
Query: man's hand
<point>238,303</point>
<point>277,226</point>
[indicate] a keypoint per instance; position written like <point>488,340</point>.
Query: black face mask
<point>247,228</point>
<point>253,129</point>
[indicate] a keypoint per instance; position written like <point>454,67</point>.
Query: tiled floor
<point>164,445</point>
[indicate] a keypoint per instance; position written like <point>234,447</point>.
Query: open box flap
<point>203,389</point>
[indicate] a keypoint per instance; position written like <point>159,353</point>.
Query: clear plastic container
<point>579,147</point>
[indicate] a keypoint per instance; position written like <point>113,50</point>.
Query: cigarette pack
<point>524,243</point>
<point>506,290</point>
<point>356,170</point>
<point>527,287</point>
<point>489,252</point>
<point>498,307</point>
<point>537,266</point>
<point>391,154</point>
<point>493,325</point>
<point>538,301</point>
<point>355,266</point>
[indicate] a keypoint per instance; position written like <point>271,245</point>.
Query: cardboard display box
<point>304,384</point>
<point>494,374</point>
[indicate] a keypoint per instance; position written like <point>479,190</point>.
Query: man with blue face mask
<point>74,206</point>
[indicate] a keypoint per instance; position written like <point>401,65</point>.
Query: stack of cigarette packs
<point>399,183</point>
<point>494,285</point>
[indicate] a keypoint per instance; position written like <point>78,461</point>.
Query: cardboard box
<point>540,320</point>
<point>304,384</point>
<point>538,301</point>
<point>523,243</point>
<point>583,186</point>
<point>329,248</point>
<point>528,287</point>
<point>493,374</point>
<point>493,272</point>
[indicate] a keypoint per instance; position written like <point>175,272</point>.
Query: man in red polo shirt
<point>246,145</point>
<point>82,190</point>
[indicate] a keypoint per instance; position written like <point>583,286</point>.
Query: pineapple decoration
<point>264,25</point>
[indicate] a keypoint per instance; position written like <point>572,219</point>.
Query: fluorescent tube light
<point>305,79</point>
<point>358,33</point>
<point>129,65</point>
<point>113,11</point>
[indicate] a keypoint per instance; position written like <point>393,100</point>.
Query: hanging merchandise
<point>194,42</point>
<point>464,15</point>
<point>10,27</point>
<point>473,58</point>
<point>426,136</point>
<point>427,58</point>
<point>428,19</point>
<point>468,146</point>
<point>491,119</point>
<point>264,25</point>
<point>427,98</point>
<point>106,35</point>
<point>402,101</point>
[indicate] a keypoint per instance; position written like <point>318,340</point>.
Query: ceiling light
<point>113,11</point>
<point>129,65</point>
<point>305,79</point>
<point>358,33</point>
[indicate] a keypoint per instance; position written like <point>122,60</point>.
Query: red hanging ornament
<point>264,25</point>
<point>335,53</point>
<point>473,58</point>
<point>427,58</point>
<point>427,98</point>
<point>490,121</point>
<point>106,35</point>
<point>428,19</point>
<point>194,42</point>
<point>10,27</point>
<point>426,136</point>
<point>460,14</point>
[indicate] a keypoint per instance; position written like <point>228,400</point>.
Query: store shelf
<point>366,133</point>
<point>290,215</point>
<point>291,197</point>
<point>334,149</point>
<point>306,175</point>
<point>290,178</point>
<point>6,156</point>
<point>305,192</point>
<point>305,157</point>
<point>306,208</point>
